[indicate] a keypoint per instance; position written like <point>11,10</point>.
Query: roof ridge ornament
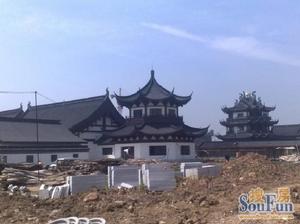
<point>152,72</point>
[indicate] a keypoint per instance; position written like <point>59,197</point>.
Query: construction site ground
<point>213,200</point>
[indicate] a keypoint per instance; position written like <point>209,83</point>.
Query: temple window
<point>238,129</point>
<point>29,159</point>
<point>155,111</point>
<point>53,158</point>
<point>4,159</point>
<point>264,113</point>
<point>137,113</point>
<point>240,114</point>
<point>157,150</point>
<point>171,112</point>
<point>107,151</point>
<point>185,150</point>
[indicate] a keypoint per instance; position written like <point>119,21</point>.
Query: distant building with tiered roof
<point>248,119</point>
<point>250,128</point>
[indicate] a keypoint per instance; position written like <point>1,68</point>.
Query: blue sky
<point>68,49</point>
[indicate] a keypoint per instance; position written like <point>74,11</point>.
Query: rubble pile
<point>33,175</point>
<point>84,167</point>
<point>19,177</point>
<point>192,202</point>
<point>290,158</point>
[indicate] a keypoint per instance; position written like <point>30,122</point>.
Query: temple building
<point>248,119</point>
<point>19,142</point>
<point>250,128</point>
<point>86,118</point>
<point>66,129</point>
<point>154,129</point>
<point>92,128</point>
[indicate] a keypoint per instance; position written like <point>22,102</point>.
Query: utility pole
<point>36,117</point>
<point>37,134</point>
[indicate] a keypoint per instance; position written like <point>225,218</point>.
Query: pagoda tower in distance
<point>248,119</point>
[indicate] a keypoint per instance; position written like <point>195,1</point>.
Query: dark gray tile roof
<point>236,136</point>
<point>70,113</point>
<point>90,135</point>
<point>248,144</point>
<point>153,91</point>
<point>149,130</point>
<point>248,101</point>
<point>12,113</point>
<point>130,130</point>
<point>286,130</point>
<point>23,130</point>
<point>42,148</point>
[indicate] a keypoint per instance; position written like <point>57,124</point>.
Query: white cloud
<point>245,46</point>
<point>250,47</point>
<point>175,32</point>
<point>23,19</point>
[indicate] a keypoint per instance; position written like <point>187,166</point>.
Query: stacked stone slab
<point>204,171</point>
<point>75,220</point>
<point>158,177</point>
<point>46,192</point>
<point>60,191</point>
<point>124,176</point>
<point>189,165</point>
<point>80,184</point>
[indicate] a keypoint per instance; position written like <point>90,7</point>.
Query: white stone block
<point>44,194</point>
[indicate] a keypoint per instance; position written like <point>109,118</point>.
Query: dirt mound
<point>192,202</point>
<point>251,168</point>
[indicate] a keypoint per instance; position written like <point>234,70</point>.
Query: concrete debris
<point>125,185</point>
<point>18,177</point>
<point>204,171</point>
<point>189,165</point>
<point>290,158</point>
<point>84,167</point>
<point>60,191</point>
<point>193,201</point>
<point>75,220</point>
<point>46,192</point>
<point>93,196</point>
<point>13,189</point>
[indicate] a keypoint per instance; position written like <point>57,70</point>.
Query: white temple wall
<point>44,158</point>
<point>95,151</point>
<point>141,150</point>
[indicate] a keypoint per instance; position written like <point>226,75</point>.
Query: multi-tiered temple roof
<point>153,92</point>
<point>153,117</point>
<point>248,102</point>
<point>247,119</point>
